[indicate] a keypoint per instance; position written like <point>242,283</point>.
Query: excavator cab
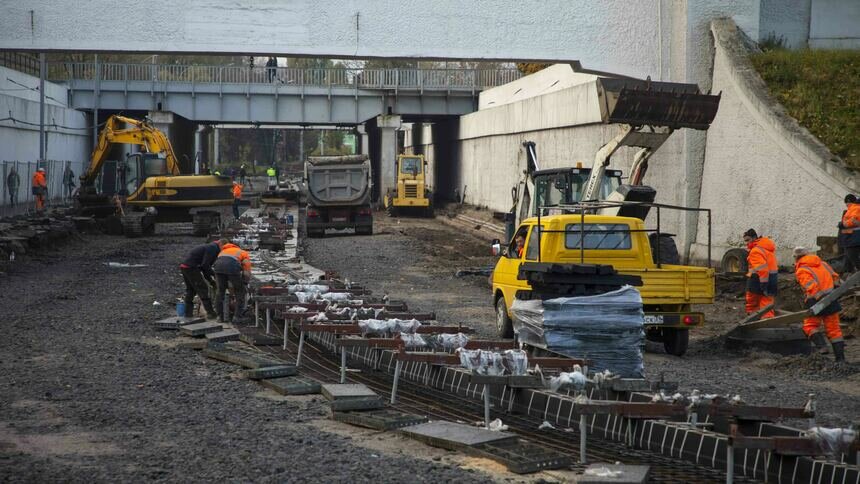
<point>564,186</point>
<point>138,167</point>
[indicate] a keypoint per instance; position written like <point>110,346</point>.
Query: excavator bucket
<point>670,104</point>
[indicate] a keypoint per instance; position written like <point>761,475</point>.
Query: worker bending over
<point>237,198</point>
<point>762,273</point>
<point>198,276</point>
<point>818,279</point>
<point>849,233</point>
<point>233,267</point>
<point>40,189</point>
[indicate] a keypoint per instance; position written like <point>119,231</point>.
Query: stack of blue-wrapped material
<point>607,329</point>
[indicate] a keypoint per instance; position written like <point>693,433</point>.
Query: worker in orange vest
<point>849,233</point>
<point>818,279</point>
<point>233,267</point>
<point>762,273</point>
<point>40,189</point>
<point>237,197</point>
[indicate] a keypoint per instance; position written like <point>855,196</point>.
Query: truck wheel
<point>668,249</point>
<point>503,323</point>
<point>364,230</point>
<point>734,260</point>
<point>675,341</point>
<point>316,234</point>
<point>391,210</point>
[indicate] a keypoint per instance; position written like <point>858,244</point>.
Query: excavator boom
<point>140,133</point>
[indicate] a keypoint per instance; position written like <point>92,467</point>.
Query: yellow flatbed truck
<point>668,291</point>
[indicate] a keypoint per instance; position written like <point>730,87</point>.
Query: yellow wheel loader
<point>147,187</point>
<point>411,194</point>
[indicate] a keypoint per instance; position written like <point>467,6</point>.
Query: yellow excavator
<point>411,193</point>
<point>147,187</point>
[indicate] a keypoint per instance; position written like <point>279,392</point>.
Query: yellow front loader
<point>411,193</point>
<point>147,187</point>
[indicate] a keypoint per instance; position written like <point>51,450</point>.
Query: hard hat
<point>41,169</point>
<point>800,251</point>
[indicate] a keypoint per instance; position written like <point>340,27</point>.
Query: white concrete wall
<point>763,170</point>
<point>835,24</point>
<point>69,140</point>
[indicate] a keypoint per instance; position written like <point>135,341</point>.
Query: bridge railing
<point>381,78</point>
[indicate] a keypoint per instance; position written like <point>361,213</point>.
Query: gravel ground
<point>90,392</point>
<point>416,259</point>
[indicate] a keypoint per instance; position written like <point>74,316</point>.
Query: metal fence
<point>399,78</point>
<point>25,203</point>
<point>25,63</point>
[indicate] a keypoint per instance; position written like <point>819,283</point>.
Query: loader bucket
<point>669,104</point>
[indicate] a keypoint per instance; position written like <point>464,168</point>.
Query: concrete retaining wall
<point>762,169</point>
<point>69,140</point>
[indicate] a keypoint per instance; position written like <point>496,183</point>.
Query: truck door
<point>505,273</point>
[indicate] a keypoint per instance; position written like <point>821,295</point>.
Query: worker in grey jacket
<point>13,181</point>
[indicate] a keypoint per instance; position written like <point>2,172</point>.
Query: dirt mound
<point>812,366</point>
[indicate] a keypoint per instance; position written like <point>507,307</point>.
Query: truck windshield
<point>566,187</point>
<point>411,166</point>
<point>598,236</point>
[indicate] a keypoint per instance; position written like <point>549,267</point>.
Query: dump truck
<point>411,194</point>
<point>338,194</point>
<point>147,187</point>
<point>668,291</point>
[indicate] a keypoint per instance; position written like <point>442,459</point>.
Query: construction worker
<point>849,233</point>
<point>198,276</point>
<point>40,189</point>
<point>762,273</point>
<point>13,181</point>
<point>273,177</point>
<point>69,180</point>
<point>233,267</point>
<point>519,242</point>
<point>237,198</point>
<point>817,279</point>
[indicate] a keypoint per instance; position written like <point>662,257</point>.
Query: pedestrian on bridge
<point>762,273</point>
<point>271,68</point>
<point>40,189</point>
<point>818,279</point>
<point>233,268</point>
<point>198,276</point>
<point>849,234</point>
<point>13,181</point>
<point>237,198</point>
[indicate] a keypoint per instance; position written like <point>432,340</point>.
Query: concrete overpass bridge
<point>241,94</point>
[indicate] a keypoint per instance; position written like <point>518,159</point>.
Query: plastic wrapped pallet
<point>482,362</point>
<point>607,329</point>
<point>447,341</point>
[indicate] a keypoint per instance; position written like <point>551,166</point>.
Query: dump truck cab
<point>411,192</point>
<point>668,291</point>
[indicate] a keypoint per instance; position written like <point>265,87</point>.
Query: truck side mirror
<point>497,247</point>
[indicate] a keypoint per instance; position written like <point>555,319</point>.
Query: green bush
<point>821,89</point>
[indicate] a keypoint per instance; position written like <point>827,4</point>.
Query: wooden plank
<point>756,315</point>
<point>846,286</point>
<point>776,322</point>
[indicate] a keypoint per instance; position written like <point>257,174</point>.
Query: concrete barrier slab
<point>337,391</point>
<point>454,436</point>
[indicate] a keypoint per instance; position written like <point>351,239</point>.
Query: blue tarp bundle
<point>607,329</point>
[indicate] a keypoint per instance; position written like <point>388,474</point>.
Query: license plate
<point>338,219</point>
<point>653,319</point>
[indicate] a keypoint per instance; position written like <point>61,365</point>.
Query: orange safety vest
<point>851,218</point>
<point>761,259</point>
<point>815,276</point>
<point>39,180</point>
<point>237,191</point>
<point>233,251</point>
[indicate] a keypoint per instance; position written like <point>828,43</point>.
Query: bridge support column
<point>387,126</point>
<point>363,140</point>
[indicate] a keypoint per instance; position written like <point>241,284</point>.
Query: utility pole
<point>42,73</point>
<point>302,145</point>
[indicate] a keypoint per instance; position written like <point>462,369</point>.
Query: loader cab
<point>564,186</point>
<point>411,165</point>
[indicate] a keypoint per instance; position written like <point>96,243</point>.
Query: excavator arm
<point>140,133</point>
